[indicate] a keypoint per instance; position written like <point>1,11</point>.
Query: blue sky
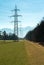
<point>32,12</point>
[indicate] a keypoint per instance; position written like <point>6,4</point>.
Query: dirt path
<point>35,53</point>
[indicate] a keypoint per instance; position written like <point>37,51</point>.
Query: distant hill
<point>8,30</point>
<point>22,31</point>
<point>26,29</point>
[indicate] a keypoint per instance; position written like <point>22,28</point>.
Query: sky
<point>32,12</point>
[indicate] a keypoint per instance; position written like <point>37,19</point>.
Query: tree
<point>0,35</point>
<point>4,35</point>
<point>37,34</point>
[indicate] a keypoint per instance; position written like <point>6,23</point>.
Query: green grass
<point>13,53</point>
<point>21,53</point>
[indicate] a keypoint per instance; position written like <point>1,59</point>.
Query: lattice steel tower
<point>16,20</point>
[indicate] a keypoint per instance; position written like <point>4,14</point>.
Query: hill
<point>22,31</point>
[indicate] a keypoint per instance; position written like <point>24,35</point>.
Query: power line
<point>16,20</point>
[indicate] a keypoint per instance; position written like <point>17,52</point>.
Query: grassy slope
<point>35,53</point>
<point>13,53</point>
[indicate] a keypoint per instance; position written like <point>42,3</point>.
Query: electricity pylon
<point>16,20</point>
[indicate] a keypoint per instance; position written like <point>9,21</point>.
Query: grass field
<point>13,53</point>
<point>35,53</point>
<point>21,53</point>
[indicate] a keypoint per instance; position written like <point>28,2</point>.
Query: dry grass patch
<point>35,53</point>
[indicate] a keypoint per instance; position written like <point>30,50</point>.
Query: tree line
<point>5,36</point>
<point>37,34</point>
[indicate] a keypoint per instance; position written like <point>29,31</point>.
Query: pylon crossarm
<point>16,20</point>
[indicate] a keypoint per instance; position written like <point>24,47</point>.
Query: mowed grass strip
<point>13,53</point>
<point>35,53</point>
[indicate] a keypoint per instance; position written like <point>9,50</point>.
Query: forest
<point>5,36</point>
<point>37,34</point>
